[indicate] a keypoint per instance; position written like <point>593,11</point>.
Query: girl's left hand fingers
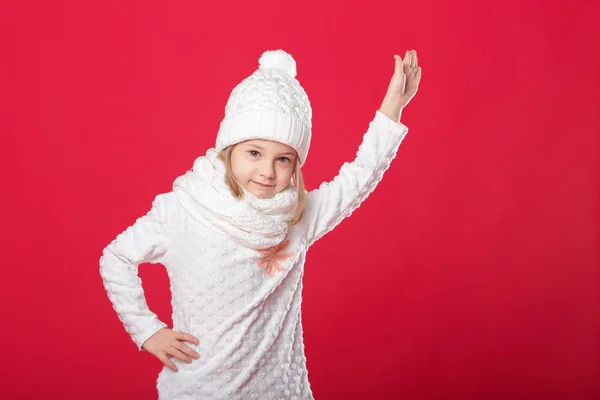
<point>407,57</point>
<point>407,69</point>
<point>416,60</point>
<point>411,59</point>
<point>398,65</point>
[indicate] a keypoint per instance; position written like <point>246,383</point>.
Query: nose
<point>267,170</point>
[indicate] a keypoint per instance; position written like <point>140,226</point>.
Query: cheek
<point>238,168</point>
<point>285,174</point>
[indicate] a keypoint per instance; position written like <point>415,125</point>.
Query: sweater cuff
<point>383,122</point>
<point>141,338</point>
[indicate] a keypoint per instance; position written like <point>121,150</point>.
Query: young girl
<point>233,235</point>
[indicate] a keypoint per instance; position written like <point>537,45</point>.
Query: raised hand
<point>166,342</point>
<point>403,85</point>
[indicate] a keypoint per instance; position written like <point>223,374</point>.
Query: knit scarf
<point>250,221</point>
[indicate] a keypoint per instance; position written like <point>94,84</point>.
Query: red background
<point>470,273</point>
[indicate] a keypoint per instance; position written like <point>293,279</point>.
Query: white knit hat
<point>269,104</point>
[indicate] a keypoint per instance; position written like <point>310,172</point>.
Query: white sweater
<point>248,323</point>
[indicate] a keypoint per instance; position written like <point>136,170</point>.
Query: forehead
<point>269,145</point>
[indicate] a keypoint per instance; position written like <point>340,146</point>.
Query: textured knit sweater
<point>242,304</point>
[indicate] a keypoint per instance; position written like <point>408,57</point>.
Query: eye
<point>284,159</point>
<point>254,153</point>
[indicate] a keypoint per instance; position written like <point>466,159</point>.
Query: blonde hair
<point>238,193</point>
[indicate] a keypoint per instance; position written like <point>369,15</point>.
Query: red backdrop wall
<point>471,272</point>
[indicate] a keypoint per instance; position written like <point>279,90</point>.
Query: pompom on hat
<point>269,104</point>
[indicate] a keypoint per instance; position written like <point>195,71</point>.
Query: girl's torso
<point>244,307</point>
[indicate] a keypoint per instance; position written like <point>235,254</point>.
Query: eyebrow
<point>262,148</point>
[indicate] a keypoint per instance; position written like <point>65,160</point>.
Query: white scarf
<point>253,222</point>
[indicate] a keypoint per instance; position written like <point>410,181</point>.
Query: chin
<point>263,195</point>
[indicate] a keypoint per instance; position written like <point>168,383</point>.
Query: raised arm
<point>333,201</point>
<point>146,241</point>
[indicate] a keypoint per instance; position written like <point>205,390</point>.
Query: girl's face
<point>263,167</point>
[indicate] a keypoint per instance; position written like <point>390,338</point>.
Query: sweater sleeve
<point>333,201</point>
<point>146,241</point>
